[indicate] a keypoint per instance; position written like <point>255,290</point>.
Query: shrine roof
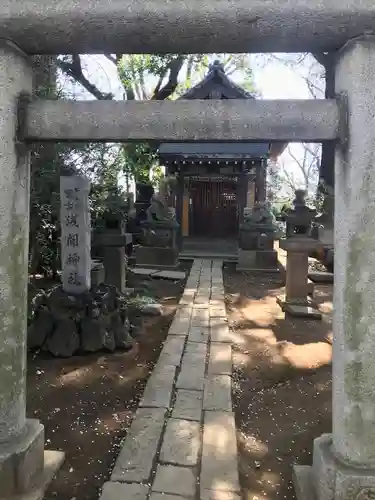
<point>217,85</point>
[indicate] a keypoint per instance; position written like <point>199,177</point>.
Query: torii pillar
<point>344,461</point>
<point>24,466</point>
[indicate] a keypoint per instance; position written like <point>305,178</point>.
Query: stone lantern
<point>110,240</point>
<point>298,244</point>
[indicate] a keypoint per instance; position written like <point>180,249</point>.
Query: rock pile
<point>65,324</point>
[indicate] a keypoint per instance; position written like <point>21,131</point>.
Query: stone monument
<point>159,245</point>
<point>75,234</point>
<point>298,245</point>
<point>258,232</point>
<point>83,315</point>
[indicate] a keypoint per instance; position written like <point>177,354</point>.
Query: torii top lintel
<point>183,26</point>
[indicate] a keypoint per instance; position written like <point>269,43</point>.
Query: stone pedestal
<point>156,257</point>
<point>160,234</point>
<point>344,463</point>
<point>257,260</point>
<point>256,252</point>
<point>22,458</point>
<point>160,248</point>
<point>298,287</point>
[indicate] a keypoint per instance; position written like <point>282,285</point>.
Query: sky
<point>275,77</point>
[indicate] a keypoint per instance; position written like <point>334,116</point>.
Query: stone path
<point>182,442</point>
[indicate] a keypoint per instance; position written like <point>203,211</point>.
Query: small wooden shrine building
<point>216,181</point>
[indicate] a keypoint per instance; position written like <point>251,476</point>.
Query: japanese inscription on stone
<point>75,234</point>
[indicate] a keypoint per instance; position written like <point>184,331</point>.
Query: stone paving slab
<point>199,334</point>
<point>136,458</point>
<point>171,353</point>
<point>215,301</point>
<point>200,317</point>
<point>170,275</point>
<point>182,319</point>
<point>140,271</point>
<point>121,491</point>
<point>302,311</point>
<point>195,354</point>
<point>176,333</point>
<point>220,332</point>
<point>191,377</point>
<point>184,311</point>
<point>218,393</point>
<point>181,443</point>
<point>188,405</point>
<point>218,312</point>
<point>158,391</point>
<point>220,359</point>
<point>179,328</point>
<point>187,300</point>
<point>219,455</point>
<point>175,480</point>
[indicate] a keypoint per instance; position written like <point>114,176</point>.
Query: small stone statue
<point>158,210</point>
<point>261,215</point>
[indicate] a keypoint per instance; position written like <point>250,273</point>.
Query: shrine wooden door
<point>213,207</point>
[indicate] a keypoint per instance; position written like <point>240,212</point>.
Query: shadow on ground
<point>282,382</point>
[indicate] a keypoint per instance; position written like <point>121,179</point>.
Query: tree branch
<point>74,70</point>
<point>111,58</point>
<point>174,68</point>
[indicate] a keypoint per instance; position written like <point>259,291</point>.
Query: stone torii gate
<point>344,462</point>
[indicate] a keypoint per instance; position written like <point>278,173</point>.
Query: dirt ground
<point>87,402</point>
<point>282,383</point>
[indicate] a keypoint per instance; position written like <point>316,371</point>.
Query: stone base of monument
<point>258,260</point>
<point>330,479</point>
<point>304,308</point>
<point>26,469</point>
<point>64,324</point>
<point>156,257</point>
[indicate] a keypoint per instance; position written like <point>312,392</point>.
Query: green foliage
<point>134,70</point>
<point>136,160</point>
